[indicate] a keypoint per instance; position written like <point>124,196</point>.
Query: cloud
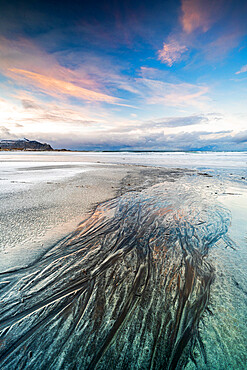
<point>179,121</point>
<point>242,70</point>
<point>54,87</point>
<point>174,94</point>
<point>222,20</point>
<point>240,137</point>
<point>160,125</point>
<point>149,72</point>
<point>64,126</point>
<point>171,52</point>
<point>92,79</point>
<point>196,140</point>
<point>5,133</point>
<point>107,72</point>
<point>30,66</point>
<point>33,117</point>
<point>199,14</point>
<point>223,43</point>
<point>30,104</point>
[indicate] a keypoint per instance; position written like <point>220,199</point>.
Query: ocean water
<point>154,279</point>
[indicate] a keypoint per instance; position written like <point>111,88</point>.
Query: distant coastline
<point>27,145</point>
<point>34,145</point>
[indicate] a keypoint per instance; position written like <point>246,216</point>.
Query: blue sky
<point>158,75</point>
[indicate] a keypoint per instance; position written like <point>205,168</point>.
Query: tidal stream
<point>127,290</point>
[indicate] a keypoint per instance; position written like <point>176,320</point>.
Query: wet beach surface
<point>39,207</point>
<point>153,278</point>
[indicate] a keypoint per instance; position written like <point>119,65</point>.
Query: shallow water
<point>225,330</point>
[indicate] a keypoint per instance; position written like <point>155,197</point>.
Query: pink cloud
<point>171,52</point>
<point>175,94</point>
<point>53,86</point>
<point>242,70</point>
<point>199,14</point>
<point>224,43</point>
<point>25,63</point>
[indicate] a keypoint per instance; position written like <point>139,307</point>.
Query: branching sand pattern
<point>126,291</point>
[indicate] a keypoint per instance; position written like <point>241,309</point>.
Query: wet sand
<point>32,218</point>
<point>36,214</point>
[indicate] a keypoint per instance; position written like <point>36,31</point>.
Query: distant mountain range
<point>23,144</point>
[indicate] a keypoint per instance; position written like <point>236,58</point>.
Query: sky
<point>125,75</point>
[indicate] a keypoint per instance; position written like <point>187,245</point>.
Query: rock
<point>23,144</point>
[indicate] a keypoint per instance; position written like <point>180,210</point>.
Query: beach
<point>39,205</point>
<point>43,200</point>
<point>113,252</point>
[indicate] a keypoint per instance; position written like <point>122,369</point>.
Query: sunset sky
<point>159,75</point>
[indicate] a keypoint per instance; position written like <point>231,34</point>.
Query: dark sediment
<point>127,290</point>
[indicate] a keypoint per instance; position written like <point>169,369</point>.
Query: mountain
<point>23,144</point>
